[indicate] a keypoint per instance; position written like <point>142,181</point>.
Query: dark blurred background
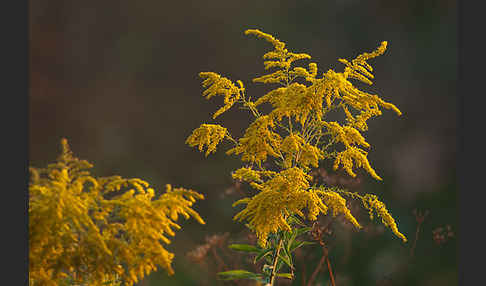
<point>119,80</point>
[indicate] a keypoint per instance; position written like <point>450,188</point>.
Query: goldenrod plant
<point>86,230</point>
<point>280,148</point>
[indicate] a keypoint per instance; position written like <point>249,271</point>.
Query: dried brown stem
<point>330,271</point>
<point>419,217</point>
<point>317,233</point>
<point>412,250</point>
<point>325,257</point>
<point>220,263</point>
<point>314,274</point>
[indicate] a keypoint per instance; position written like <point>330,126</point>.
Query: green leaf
<point>295,220</point>
<point>286,235</point>
<point>263,254</point>
<point>286,275</point>
<point>290,241</point>
<point>239,274</point>
<point>279,265</point>
<point>288,253</point>
<point>244,247</point>
<point>285,258</point>
<point>298,244</point>
<point>295,233</point>
<point>302,230</point>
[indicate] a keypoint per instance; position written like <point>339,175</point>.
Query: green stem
<point>275,260</point>
<point>228,136</point>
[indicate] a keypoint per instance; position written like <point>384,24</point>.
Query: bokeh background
<point>119,79</point>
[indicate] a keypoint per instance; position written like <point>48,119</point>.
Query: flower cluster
<point>207,135</point>
<point>98,230</point>
<point>296,135</point>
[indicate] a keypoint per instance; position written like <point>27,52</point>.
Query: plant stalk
<point>275,260</point>
<point>333,283</point>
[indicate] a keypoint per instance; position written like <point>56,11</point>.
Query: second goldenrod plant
<point>86,230</point>
<point>296,136</point>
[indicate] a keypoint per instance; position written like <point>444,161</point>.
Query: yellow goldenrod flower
<point>258,142</point>
<point>218,85</point>
<point>99,229</point>
<point>354,156</point>
<point>209,135</point>
<point>296,134</point>
<point>371,202</point>
<point>247,174</point>
<point>338,205</point>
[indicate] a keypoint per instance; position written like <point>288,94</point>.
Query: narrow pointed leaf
<point>238,274</point>
<point>286,275</point>
<point>296,220</point>
<point>302,230</point>
<point>262,254</point>
<point>244,247</point>
<point>298,244</point>
<point>285,259</point>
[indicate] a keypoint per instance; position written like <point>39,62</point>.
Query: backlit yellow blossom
<point>280,196</point>
<point>99,230</point>
<point>209,135</point>
<point>359,68</point>
<point>297,134</point>
<point>249,175</point>
<point>346,134</point>
<point>259,141</point>
<point>315,205</point>
<point>338,205</point>
<point>371,203</point>
<point>310,156</point>
<point>354,156</point>
<point>281,56</point>
<point>303,153</point>
<point>218,85</point>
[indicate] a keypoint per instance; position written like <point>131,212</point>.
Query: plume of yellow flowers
<point>296,136</point>
<point>218,85</point>
<point>99,230</point>
<point>207,135</point>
